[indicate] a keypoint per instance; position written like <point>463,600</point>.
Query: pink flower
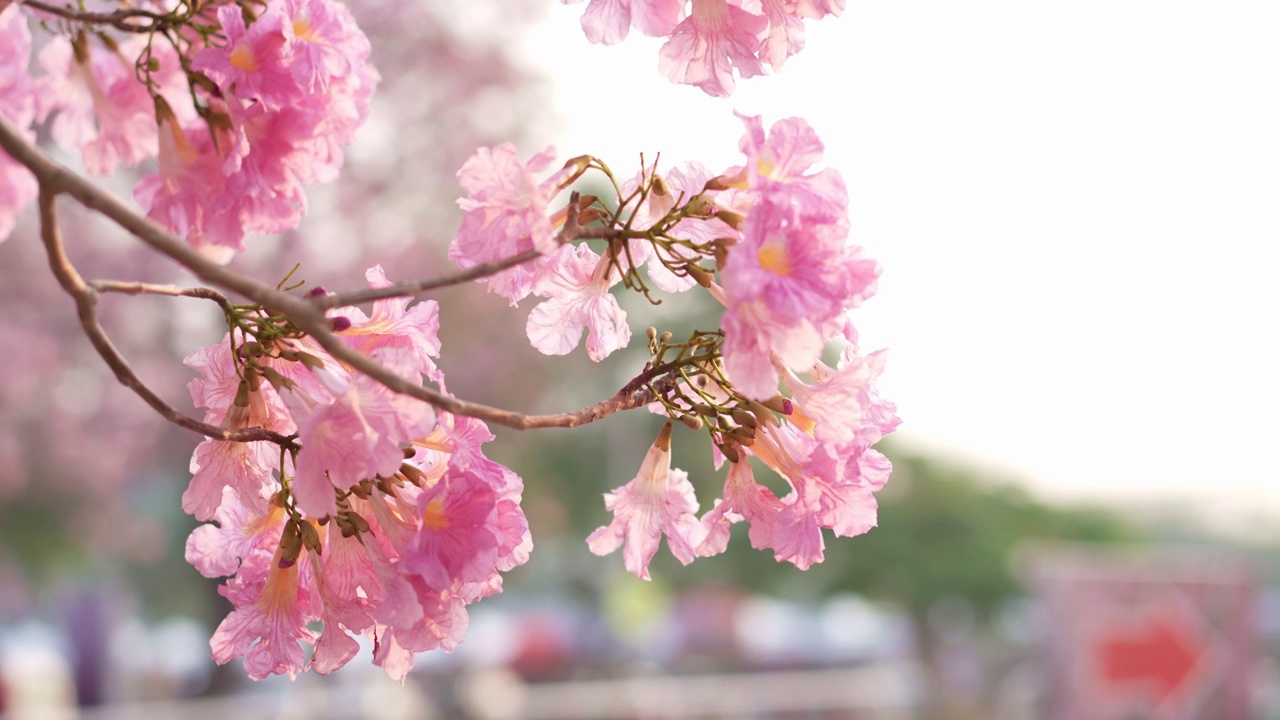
<point>244,467</point>
<point>268,164</point>
<point>608,21</point>
<point>219,383</point>
<point>269,622</point>
<point>102,109</point>
<point>323,42</point>
<point>17,105</point>
<point>577,281</point>
<point>658,501</point>
<point>782,160</point>
<point>357,436</point>
<point>743,499</point>
<point>395,325</point>
<point>507,211</point>
<point>241,537</point>
<point>706,47</point>
<point>253,64</point>
<point>754,336</point>
<point>456,542</point>
<point>843,406</point>
<point>177,197</point>
<point>786,29</point>
<point>792,278</point>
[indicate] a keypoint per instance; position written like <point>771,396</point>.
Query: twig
<point>141,288</point>
<point>86,298</point>
<point>410,288</point>
<point>118,19</point>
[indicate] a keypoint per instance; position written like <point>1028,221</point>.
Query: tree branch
<point>410,288</point>
<point>141,288</point>
<point>118,19</point>
<point>55,179</point>
<point>86,298</point>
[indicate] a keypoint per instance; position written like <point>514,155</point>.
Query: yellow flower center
<point>433,516</point>
<point>773,257</point>
<point>242,58</point>
<point>764,166</point>
<point>302,29</point>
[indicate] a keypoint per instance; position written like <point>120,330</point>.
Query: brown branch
<point>86,298</point>
<point>410,288</point>
<point>118,19</point>
<point>55,179</point>
<point>141,288</point>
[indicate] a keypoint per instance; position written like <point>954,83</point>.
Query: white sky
<point>1077,206</point>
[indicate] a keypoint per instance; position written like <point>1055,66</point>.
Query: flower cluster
<point>708,40</point>
<point>382,518</point>
<point>244,104</point>
<point>354,509</point>
<point>776,230</point>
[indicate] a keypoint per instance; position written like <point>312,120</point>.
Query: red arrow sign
<point>1161,655</point>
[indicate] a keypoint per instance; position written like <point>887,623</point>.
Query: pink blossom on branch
<point>99,107</point>
<point>709,45</point>
<point>576,282</point>
<point>507,212</point>
<point>658,501</point>
<point>715,38</point>
<point>609,21</point>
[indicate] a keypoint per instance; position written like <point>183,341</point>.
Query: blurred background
<point>1075,209</point>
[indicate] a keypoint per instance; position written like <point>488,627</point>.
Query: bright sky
<point>1077,206</point>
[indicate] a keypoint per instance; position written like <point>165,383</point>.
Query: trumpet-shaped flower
<point>706,47</point>
<point>658,501</point>
<point>577,282</point>
<point>506,214</point>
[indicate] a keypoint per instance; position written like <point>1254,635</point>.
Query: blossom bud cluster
<point>768,240</point>
<point>708,40</point>
<point>382,518</point>
<point>244,104</point>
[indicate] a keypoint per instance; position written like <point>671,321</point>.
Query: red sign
<point>1166,637</point>
<point>1158,655</point>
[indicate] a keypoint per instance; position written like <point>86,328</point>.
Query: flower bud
<point>663,442</point>
<point>242,395</point>
<point>698,273</point>
<point>290,545</point>
<point>743,418</point>
<point>579,166</point>
<point>701,205</point>
<point>340,323</point>
<point>763,414</point>
<point>704,409</point>
<point>358,521</point>
<point>731,453</point>
<point>725,182</point>
<point>693,422</point>
<point>310,538</point>
<point>311,362</point>
<point>278,381</point>
<point>731,218</point>
<point>779,404</point>
<point>720,249</point>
